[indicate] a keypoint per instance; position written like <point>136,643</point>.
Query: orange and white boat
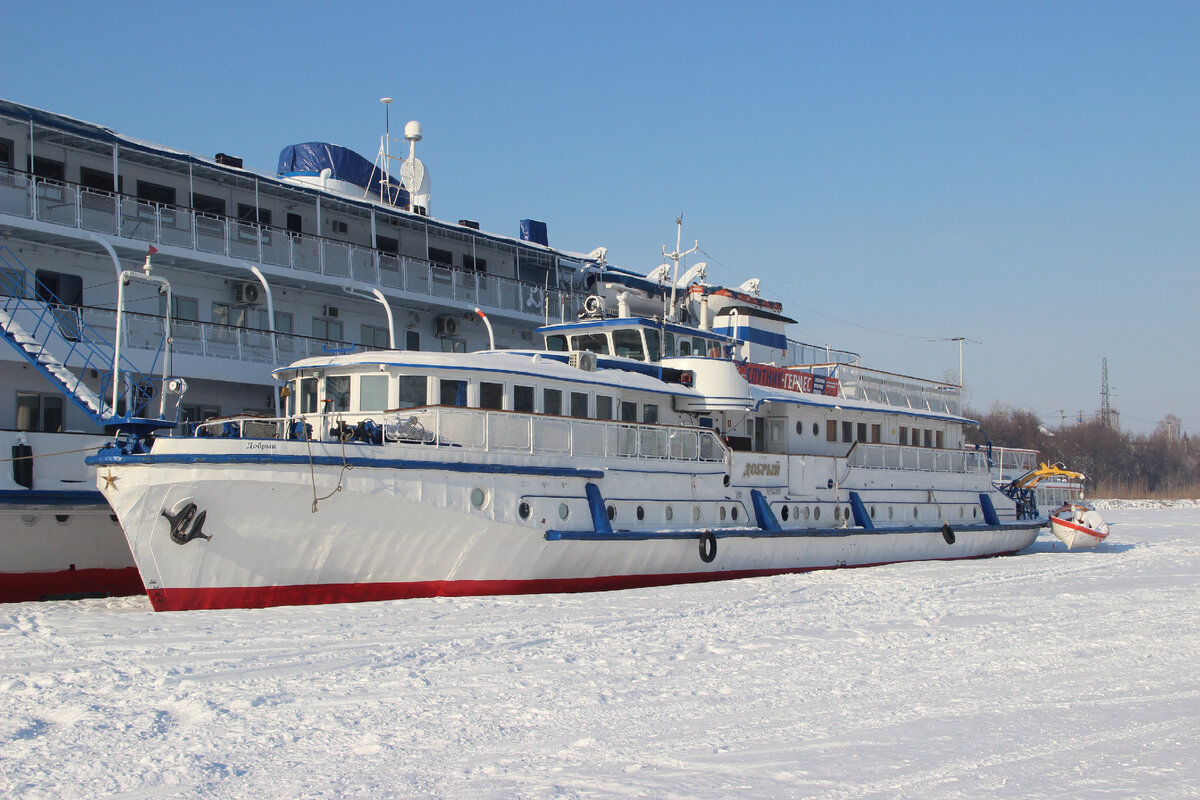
<point>1078,526</point>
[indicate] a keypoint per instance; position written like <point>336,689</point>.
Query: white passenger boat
<point>325,253</point>
<point>1078,526</point>
<point>630,451</point>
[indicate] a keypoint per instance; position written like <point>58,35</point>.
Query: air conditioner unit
<point>584,360</point>
<point>447,326</point>
<point>329,311</point>
<point>248,293</point>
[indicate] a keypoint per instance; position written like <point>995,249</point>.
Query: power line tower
<point>1108,417</point>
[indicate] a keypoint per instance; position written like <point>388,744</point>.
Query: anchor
<point>181,520</point>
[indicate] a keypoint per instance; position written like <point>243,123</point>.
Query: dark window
<point>831,430</point>
<point>477,264</point>
<point>628,412</point>
<point>6,153</point>
<point>154,193</point>
<point>412,391</point>
<point>847,431</point>
<point>453,393</point>
<point>412,340</point>
<point>248,213</point>
<point>875,433</point>
<point>650,414</point>
<point>523,399</point>
<point>862,431</point>
<point>59,286</point>
<point>579,405</point>
<point>39,412</point>
<point>604,407</point>
<point>387,244</point>
<point>95,179</point>
<point>294,223</point>
<point>208,205</point>
<point>441,256</point>
<point>491,395</point>
<point>940,440</point>
<point>552,401</point>
<point>337,390</point>
<point>48,169</point>
<point>903,435</point>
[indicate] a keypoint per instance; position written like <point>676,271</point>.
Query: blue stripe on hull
<point>760,533</point>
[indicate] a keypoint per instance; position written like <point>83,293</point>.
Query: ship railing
<point>487,431</point>
<point>98,211</point>
<point>887,388</point>
<point>920,459</point>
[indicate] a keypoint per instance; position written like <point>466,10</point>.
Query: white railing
<point>922,459</point>
<point>900,391</point>
<point>106,212</point>
<point>490,431</point>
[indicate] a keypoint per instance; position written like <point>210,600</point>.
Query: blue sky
<point>1026,175</point>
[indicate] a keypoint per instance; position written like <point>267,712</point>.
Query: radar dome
<point>412,131</point>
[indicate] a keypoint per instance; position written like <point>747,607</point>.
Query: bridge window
<point>337,392</point>
<point>308,395</point>
<point>372,392</point>
<point>628,343</point>
<point>413,391</point>
<point>591,342</point>
<point>556,343</point>
<point>652,344</point>
<point>491,395</point>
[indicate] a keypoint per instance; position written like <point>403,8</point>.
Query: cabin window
<point>668,345</point>
<point>322,328</point>
<point>831,430</point>
<point>476,264</point>
<point>453,393</point>
<point>337,392</point>
<point>491,395</point>
<point>556,343</point>
<point>413,391</point>
<point>652,344</point>
<point>552,401</point>
<point>154,193</point>
<point>6,153</point>
<point>185,308</point>
<point>928,438</point>
<point>579,405</point>
<point>308,395</point>
<point>685,347</point>
<point>592,342</point>
<point>650,414</point>
<point>372,392</point>
<point>204,204</point>
<point>940,440</point>
<point>628,343</point>
<point>388,244</point>
<point>523,399</point>
<point>375,337</point>
<point>713,348</point>
<point>903,434</point>
<point>847,431</point>
<point>39,412</point>
<point>283,322</point>
<point>59,287</point>
<point>438,256</point>
<point>604,407</point>
<point>294,223</point>
<point>249,213</point>
<point>875,433</point>
<point>862,432</point>
<point>95,179</point>
<point>628,412</point>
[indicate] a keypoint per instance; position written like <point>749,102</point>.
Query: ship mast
<point>676,256</point>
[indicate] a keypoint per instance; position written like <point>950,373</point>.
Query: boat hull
<point>1074,535</point>
<point>405,533</point>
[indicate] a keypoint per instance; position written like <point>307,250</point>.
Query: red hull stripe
<point>265,596</point>
<point>22,587</point>
<point>1077,527</point>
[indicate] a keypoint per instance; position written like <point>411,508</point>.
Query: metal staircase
<point>49,334</point>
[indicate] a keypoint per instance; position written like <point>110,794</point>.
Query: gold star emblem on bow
<point>110,481</point>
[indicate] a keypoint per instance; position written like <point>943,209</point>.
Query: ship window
<point>491,395</point>
<point>208,205</point>
<point>523,399</point>
<point>940,439</point>
<point>12,283</point>
<point>308,395</point>
<point>39,412</point>
<point>903,434</point>
<point>185,308</point>
<point>669,345</point>
<point>337,392</point>
<point>875,433</point>
<point>375,337</point>
<point>862,431</point>
<point>847,431</point>
<point>604,407</point>
<point>650,414</point>
<point>552,401</point>
<point>628,412</point>
<point>294,223</point>
<point>154,193</point>
<point>412,340</point>
<point>59,287</point>
<point>6,153</point>
<point>52,170</point>
<point>831,430</point>
<point>413,391</point>
<point>388,244</point>
<point>579,405</point>
<point>628,343</point>
<point>652,344</point>
<point>556,343</point>
<point>283,322</point>
<point>592,342</point>
<point>928,438</point>
<point>473,263</point>
<point>453,393</point>
<point>249,213</point>
<point>372,392</point>
<point>322,328</point>
<point>94,179</point>
<point>439,256</point>
<point>685,347</point>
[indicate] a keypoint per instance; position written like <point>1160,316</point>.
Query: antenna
<point>412,171</point>
<point>675,256</point>
<point>1108,417</point>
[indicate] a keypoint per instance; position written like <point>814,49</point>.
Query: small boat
<point>1078,526</point>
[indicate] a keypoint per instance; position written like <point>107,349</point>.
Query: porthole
<point>837,512</point>
<point>872,512</point>
<point>796,512</point>
<point>641,513</point>
<point>816,512</point>
<point>784,513</point>
<point>722,513</point>
<point>726,480</point>
<point>961,512</point>
<point>62,519</point>
<point>974,512</point>
<point>478,497</point>
<point>696,513</point>
<point>564,511</point>
<point>612,512</point>
<point>523,510</point>
<point>733,512</point>
<point>799,428</point>
<point>670,512</point>
<point>891,512</point>
<point>113,519</point>
<point>816,430</point>
<point>914,512</point>
<point>29,519</point>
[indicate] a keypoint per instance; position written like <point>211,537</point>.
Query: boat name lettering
<point>761,469</point>
<point>260,445</point>
<point>789,380</point>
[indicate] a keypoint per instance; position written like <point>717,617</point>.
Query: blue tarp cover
<point>311,158</point>
<point>534,231</point>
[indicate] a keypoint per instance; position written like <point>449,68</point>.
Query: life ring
<point>947,533</point>
<point>708,547</point>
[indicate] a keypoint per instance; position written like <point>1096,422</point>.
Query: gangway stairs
<point>50,334</point>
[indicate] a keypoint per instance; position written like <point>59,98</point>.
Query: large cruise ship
<point>329,253</point>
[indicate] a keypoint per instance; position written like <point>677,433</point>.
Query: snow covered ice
<point>1048,674</point>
